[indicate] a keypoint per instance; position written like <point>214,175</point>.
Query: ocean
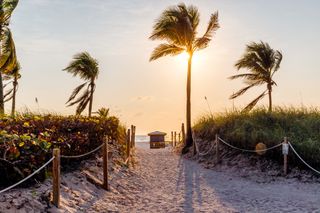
<point>142,138</point>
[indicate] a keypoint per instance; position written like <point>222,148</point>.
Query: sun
<point>184,57</point>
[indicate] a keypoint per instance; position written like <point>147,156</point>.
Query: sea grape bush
<point>26,141</point>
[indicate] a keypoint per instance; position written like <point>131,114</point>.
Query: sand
<point>161,181</point>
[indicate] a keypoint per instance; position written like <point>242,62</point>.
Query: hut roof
<point>157,133</point>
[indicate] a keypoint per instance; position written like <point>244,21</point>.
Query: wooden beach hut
<point>157,139</point>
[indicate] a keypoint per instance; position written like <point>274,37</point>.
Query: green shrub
<point>26,141</point>
<point>245,130</point>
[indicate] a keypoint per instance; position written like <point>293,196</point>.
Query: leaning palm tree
<point>13,78</point>
<point>7,49</point>
<point>177,26</point>
<point>86,67</point>
<point>262,63</point>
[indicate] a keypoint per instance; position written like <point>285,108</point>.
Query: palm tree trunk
<point>1,87</point>
<point>13,107</point>
<point>1,96</point>
<point>270,98</point>
<point>91,96</point>
<point>189,140</point>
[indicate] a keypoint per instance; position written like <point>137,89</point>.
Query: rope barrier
<point>205,153</point>
<point>83,155</point>
<point>247,150</point>
<point>23,180</point>
<point>295,152</point>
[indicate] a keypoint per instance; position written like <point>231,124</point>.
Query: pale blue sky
<point>151,95</point>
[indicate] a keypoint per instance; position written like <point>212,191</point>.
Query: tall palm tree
<point>86,67</point>
<point>7,49</point>
<point>262,63</point>
<point>13,76</point>
<point>177,26</point>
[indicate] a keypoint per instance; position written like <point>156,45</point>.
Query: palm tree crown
<point>262,62</point>
<point>86,67</point>
<point>177,26</point>
<point>8,58</point>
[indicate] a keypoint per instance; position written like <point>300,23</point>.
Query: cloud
<point>143,98</point>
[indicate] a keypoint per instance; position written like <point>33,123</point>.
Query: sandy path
<point>164,182</point>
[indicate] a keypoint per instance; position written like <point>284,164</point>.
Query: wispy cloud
<point>143,98</point>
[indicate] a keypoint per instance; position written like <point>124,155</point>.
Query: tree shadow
<point>189,180</point>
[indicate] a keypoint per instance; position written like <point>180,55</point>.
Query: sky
<point>151,95</point>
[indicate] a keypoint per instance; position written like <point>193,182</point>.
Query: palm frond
<point>84,96</point>
<point>177,25</point>
<point>6,9</point>
<point>213,26</point>
<point>278,59</point>
<point>8,58</point>
<point>82,105</point>
<point>165,49</point>
<point>84,66</point>
<point>75,92</point>
<point>254,102</point>
<point>245,75</point>
<point>242,91</point>
<point>7,96</point>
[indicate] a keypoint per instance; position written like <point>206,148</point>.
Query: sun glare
<point>183,58</point>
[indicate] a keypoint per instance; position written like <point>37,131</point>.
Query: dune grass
<point>245,130</point>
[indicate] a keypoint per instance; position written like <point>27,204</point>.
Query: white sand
<point>164,182</point>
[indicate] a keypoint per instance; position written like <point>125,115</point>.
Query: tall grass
<point>245,130</point>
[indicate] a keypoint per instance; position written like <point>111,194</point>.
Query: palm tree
<point>11,93</point>
<point>103,112</point>
<point>7,49</point>
<point>262,63</point>
<point>86,67</point>
<point>177,26</point>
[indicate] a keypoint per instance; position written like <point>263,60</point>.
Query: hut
<point>157,139</point>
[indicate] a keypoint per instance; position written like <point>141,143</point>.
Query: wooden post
<point>217,149</point>
<point>285,149</point>
<point>132,135</point>
<point>105,164</point>
<point>128,144</point>
<point>171,138</point>
<point>179,138</point>
<point>56,178</point>
<point>175,138</point>
<point>183,134</point>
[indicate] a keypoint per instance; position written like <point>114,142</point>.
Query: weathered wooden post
<point>175,138</point>
<point>285,152</point>
<point>179,138</point>
<point>171,138</point>
<point>105,163</point>
<point>56,177</point>
<point>133,135</point>
<point>183,134</point>
<point>128,145</point>
<point>217,149</point>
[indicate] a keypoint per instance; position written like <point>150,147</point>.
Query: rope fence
<point>83,155</point>
<point>130,143</point>
<point>248,150</point>
<point>303,161</point>
<point>286,145</point>
<point>26,178</point>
